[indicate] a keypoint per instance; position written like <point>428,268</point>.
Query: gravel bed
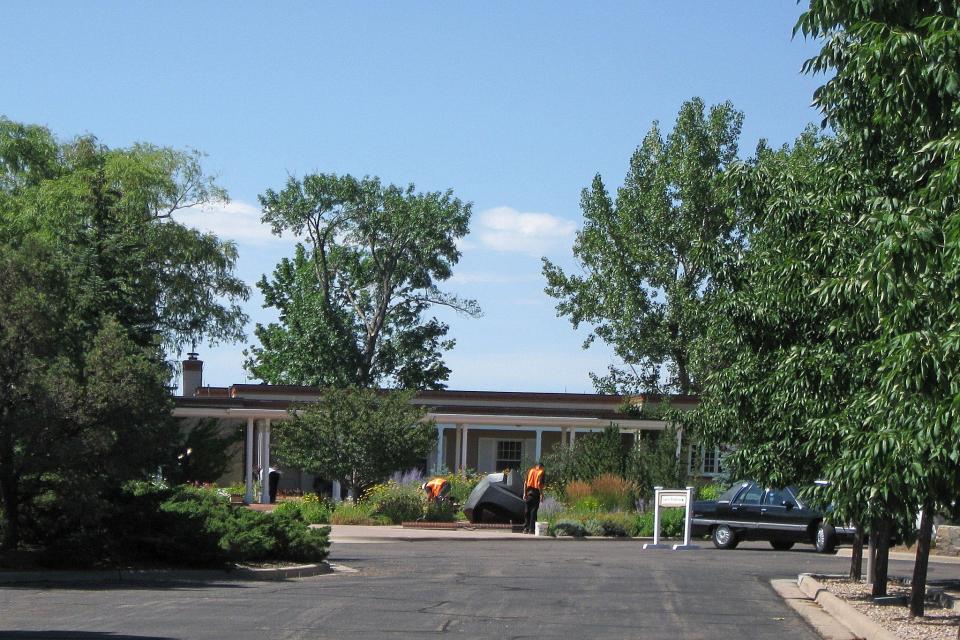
<point>937,624</point>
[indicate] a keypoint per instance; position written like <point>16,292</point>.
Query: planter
<point>236,498</point>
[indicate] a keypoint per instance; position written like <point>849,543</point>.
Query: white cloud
<point>236,220</point>
<point>506,229</point>
<point>489,277</point>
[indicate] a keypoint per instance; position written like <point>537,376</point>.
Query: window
<point>705,461</point>
<point>509,454</point>
<point>751,495</point>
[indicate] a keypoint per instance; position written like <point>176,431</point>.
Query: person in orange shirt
<point>437,489</point>
<point>532,492</point>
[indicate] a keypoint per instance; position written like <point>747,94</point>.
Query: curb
<point>140,576</point>
<point>859,624</point>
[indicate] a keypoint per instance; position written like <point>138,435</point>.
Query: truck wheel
<point>826,538</point>
<point>781,545</point>
<point>724,538</point>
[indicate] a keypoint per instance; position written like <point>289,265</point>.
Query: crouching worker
<point>532,492</point>
<point>437,489</point>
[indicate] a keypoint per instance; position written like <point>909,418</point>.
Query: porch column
<point>463,452</point>
<point>679,442</point>
<point>439,460</point>
<point>248,463</point>
<point>573,436</point>
<point>456,447</point>
<point>265,465</point>
<point>335,490</point>
<point>539,443</point>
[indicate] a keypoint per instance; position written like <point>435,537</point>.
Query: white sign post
<point>672,498</point>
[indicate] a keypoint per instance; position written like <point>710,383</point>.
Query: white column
<point>463,453</point>
<point>679,442</point>
<point>265,465</point>
<point>440,451</point>
<point>539,445</point>
<point>457,445</point>
<point>335,490</point>
<point>248,466</point>
<point>573,436</point>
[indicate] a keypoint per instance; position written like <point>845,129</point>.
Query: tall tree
<point>112,209</point>
<point>98,283</point>
<point>352,300</point>
<point>359,436</point>
<point>647,258</point>
<point>895,93</point>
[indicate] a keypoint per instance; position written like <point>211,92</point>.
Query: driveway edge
<point>845,614</point>
<point>118,576</point>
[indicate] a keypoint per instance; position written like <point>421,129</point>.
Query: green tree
<point>111,209</point>
<point>98,281</point>
<point>790,363</point>
<point>359,436</point>
<point>648,257</point>
<point>352,299</point>
<point>895,95</point>
<point>80,410</point>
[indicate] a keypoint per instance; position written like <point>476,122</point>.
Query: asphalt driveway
<point>477,589</point>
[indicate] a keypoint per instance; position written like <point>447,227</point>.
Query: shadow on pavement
<point>72,635</point>
<point>132,585</point>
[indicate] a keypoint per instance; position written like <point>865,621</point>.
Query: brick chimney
<point>192,374</point>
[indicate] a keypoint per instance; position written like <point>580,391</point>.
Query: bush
<point>615,525</point>
<point>186,526</point>
<point>589,504</point>
<point>568,528</point>
<point>593,528</point>
<point>314,509</point>
<point>442,511</point>
<point>612,492</point>
<point>396,502</point>
<point>671,524</point>
<point>710,491</point>
<point>353,513</point>
<point>462,484</point>
<point>577,490</point>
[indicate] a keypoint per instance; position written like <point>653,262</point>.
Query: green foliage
<point>98,281</point>
<point>655,462</point>
<point>461,484</point>
<point>353,513</point>
<point>397,502</point>
<point>151,523</point>
<point>710,491</point>
<point>352,299</point>
<point>358,436</point>
<point>671,524</point>
<point>648,256</point>
<point>593,527</point>
<point>211,453</point>
<point>591,456</point>
<point>441,511</point>
<point>568,528</point>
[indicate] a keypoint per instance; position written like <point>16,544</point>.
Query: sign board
<point>672,499</point>
<point>667,498</point>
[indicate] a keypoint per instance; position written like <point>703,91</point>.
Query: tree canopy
<point>98,284</point>
<point>648,256</point>
<point>353,298</point>
<point>358,436</point>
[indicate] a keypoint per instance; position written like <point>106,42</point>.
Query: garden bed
<point>422,524</point>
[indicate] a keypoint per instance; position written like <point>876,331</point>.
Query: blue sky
<point>514,106</point>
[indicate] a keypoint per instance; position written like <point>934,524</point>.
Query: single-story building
<point>482,430</point>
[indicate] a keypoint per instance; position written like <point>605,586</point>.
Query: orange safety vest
<point>434,487</point>
<point>535,478</point>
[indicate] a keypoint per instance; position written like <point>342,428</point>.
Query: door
<point>783,517</point>
<point>744,515</point>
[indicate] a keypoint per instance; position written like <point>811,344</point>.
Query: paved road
<point>479,589</point>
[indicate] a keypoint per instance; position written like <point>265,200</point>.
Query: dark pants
<point>532,503</point>
<point>274,479</point>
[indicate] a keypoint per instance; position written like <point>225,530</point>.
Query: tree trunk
<point>882,543</point>
<point>918,586</point>
<point>10,499</point>
<point>856,557</point>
